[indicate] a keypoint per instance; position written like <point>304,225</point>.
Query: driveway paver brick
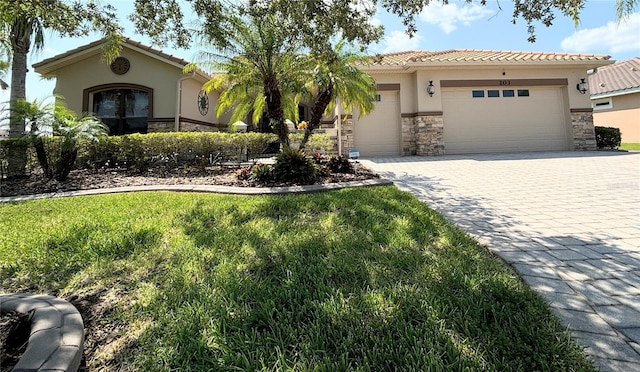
<point>567,222</point>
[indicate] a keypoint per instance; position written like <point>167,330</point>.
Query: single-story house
<point>615,98</point>
<point>143,90</point>
<point>428,103</point>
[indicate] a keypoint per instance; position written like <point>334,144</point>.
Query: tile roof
<point>480,56</point>
<point>618,77</point>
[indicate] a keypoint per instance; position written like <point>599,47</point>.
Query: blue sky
<point>454,26</point>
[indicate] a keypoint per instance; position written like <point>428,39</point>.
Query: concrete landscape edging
<point>57,332</point>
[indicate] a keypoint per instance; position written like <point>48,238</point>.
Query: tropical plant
<point>294,166</point>
<point>38,115</point>
<point>71,129</point>
<point>261,65</point>
<point>334,76</point>
<point>23,23</point>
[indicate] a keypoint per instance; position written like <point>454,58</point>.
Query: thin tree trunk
<point>319,106</point>
<point>65,163</point>
<point>20,44</point>
<point>41,153</point>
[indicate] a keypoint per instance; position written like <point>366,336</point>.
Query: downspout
<point>176,127</point>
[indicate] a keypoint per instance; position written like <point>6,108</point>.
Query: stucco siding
<point>72,80</point>
<point>627,120</point>
<point>189,104</point>
<point>624,113</point>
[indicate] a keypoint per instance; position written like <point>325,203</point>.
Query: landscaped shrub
<point>294,166</point>
<point>16,147</point>
<point>318,142</point>
<point>340,164</point>
<point>174,148</point>
<point>262,173</point>
<point>608,137</point>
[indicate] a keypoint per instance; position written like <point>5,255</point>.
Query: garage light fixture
<point>582,86</point>
<point>431,89</point>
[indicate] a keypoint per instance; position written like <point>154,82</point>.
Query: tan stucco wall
<point>413,84</point>
<point>625,114</point>
<point>189,104</point>
<point>161,77</point>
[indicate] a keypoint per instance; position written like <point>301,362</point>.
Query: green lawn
<point>355,279</point>
<point>630,146</point>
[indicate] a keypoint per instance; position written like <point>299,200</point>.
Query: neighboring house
<point>615,98</point>
<point>480,101</point>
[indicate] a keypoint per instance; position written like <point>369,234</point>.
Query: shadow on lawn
<point>382,282</point>
<point>59,258</point>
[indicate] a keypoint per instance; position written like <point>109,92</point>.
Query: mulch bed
<point>14,336</point>
<point>118,177</point>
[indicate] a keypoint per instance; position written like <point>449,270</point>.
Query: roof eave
<point>620,92</point>
<point>50,65</point>
<point>488,63</point>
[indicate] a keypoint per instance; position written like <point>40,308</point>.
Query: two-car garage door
<point>476,120</point>
<point>493,119</point>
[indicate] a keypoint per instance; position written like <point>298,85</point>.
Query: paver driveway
<point>568,222</point>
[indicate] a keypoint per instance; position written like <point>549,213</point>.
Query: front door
<point>124,111</point>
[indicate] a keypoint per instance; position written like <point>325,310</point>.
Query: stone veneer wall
<point>164,126</point>
<point>347,135</point>
<point>584,136</point>
<point>193,127</point>
<point>423,134</point>
<point>168,126</point>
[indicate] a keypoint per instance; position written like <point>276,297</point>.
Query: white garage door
<point>493,119</point>
<point>378,134</point>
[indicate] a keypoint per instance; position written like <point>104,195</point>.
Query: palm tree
<point>262,67</point>
<point>334,77</point>
<point>38,114</point>
<point>23,23</point>
<point>71,128</point>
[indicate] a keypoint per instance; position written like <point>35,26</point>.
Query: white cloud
<point>399,41</point>
<point>449,17</point>
<point>613,37</point>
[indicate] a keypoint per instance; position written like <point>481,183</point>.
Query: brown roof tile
<point>620,76</point>
<point>471,56</point>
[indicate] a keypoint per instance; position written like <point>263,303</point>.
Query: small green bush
<point>262,173</point>
<point>294,166</point>
<point>608,137</point>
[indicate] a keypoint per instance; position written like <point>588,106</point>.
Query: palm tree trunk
<point>65,163</point>
<point>41,154</point>
<point>275,112</point>
<point>320,105</point>
<point>20,45</point>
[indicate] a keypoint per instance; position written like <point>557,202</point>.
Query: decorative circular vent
<point>120,66</point>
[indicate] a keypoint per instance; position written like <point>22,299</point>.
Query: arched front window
<point>124,109</point>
